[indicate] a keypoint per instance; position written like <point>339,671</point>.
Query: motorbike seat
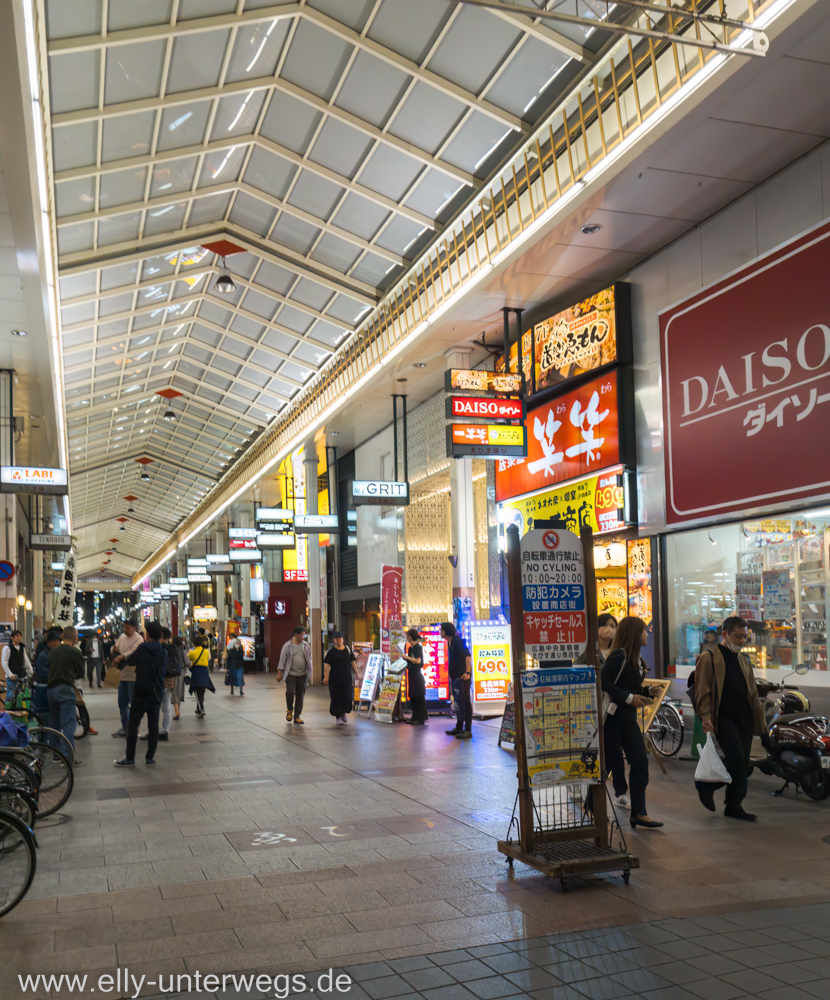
<point>800,717</point>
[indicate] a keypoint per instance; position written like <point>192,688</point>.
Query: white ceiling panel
<point>74,81</point>
<point>183,125</point>
<point>196,61</point>
<point>133,72</point>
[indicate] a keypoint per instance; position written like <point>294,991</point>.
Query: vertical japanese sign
<point>391,590</point>
<point>639,579</point>
<point>66,597</point>
<point>553,594</point>
<point>490,649</point>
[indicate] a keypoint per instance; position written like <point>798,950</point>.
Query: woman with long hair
<point>622,680</point>
<point>414,657</point>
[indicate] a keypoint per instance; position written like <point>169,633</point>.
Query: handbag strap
<point>622,667</point>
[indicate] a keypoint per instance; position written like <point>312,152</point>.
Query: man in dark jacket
<point>150,662</point>
<point>460,670</point>
<point>66,665</point>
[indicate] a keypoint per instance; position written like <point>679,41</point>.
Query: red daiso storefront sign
<point>746,387</point>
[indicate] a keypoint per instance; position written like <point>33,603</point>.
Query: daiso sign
<point>746,386</point>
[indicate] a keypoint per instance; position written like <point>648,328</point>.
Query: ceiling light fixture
<point>591,229</point>
<point>123,527</point>
<point>224,283</point>
<point>130,510</point>
<point>19,333</point>
<point>144,476</point>
<point>169,415</point>
<point>420,364</point>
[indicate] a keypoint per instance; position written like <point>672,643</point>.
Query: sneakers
<point>622,801</point>
<point>289,716</point>
<point>78,763</point>
<point>453,732</point>
<point>345,720</point>
<point>164,737</point>
<point>92,732</point>
<point>124,762</point>
<point>465,734</point>
<point>121,732</point>
<point>150,762</point>
<point>299,722</point>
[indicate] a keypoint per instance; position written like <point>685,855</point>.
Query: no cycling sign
<point>553,594</point>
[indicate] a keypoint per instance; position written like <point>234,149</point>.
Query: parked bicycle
<point>667,730</point>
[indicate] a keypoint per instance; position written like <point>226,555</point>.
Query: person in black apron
<point>414,657</point>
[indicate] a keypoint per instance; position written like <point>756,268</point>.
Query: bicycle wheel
<point>18,860</point>
<point>57,779</point>
<point>19,802</point>
<point>666,731</point>
<point>16,775</point>
<point>81,721</point>
<point>53,738</point>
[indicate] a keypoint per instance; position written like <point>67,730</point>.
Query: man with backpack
<point>726,699</point>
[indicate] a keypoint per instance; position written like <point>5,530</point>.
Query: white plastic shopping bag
<point>710,767</point>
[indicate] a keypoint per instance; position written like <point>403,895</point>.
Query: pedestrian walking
<point>460,670</point>
<point>414,657</point>
<point>179,656</point>
<point>295,666</point>
<point>95,657</point>
<point>126,643</point>
<point>66,665</point>
<point>150,663</point>
<point>622,680</point>
<point>174,668</point>
<point>727,702</point>
<point>235,663</point>
<point>200,679</point>
<point>339,674</point>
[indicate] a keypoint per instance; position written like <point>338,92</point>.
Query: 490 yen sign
<point>553,594</point>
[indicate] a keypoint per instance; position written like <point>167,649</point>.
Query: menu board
<point>489,644</point>
<point>436,668</point>
<point>778,595</point>
<point>599,501</point>
<point>561,721</point>
<point>390,689</point>
<point>639,579</point>
<point>371,673</point>
<point>612,597</point>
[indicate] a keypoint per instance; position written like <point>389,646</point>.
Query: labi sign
<point>746,376</point>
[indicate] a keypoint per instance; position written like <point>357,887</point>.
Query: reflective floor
<point>259,845</point>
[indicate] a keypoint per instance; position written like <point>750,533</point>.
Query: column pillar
<point>313,557</point>
<point>462,526</point>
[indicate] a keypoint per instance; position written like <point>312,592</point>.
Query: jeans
<point>623,730</point>
<point>62,710</point>
<point>93,669</point>
<point>736,742</point>
<point>137,711</point>
<point>125,697</point>
<point>40,698</point>
<point>295,685</point>
<point>166,710</point>
<point>463,704</point>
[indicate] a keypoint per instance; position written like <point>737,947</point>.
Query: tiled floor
<point>259,845</point>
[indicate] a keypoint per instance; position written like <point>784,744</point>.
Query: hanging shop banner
<point>242,543</point>
<point>640,603</point>
<point>747,361</point>
<point>220,569</point>
<point>486,440</point>
<point>199,578</point>
<point>295,576</point>
<point>274,519</point>
<point>316,524</point>
<point>571,436</point>
<point>484,407</point>
<point>561,723</point>
<point>390,691</point>
<point>481,381</point>
<point>275,541</point>
<point>778,595</point>
<point>436,669</point>
<point>391,591</point>
<point>65,615</point>
<point>238,533</point>
<point>489,644</point>
<point>553,594</point>
<point>748,592</point>
<point>364,492</point>
<point>246,555</point>
<point>23,479</point>
<point>601,502</point>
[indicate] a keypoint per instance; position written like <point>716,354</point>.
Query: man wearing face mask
<point>729,706</point>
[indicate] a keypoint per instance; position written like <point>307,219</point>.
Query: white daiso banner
<point>65,614</point>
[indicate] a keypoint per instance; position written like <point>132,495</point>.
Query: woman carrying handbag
<point>621,678</point>
<point>200,680</point>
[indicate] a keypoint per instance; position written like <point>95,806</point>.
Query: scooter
<point>797,743</point>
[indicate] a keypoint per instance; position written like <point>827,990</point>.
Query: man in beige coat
<point>728,704</point>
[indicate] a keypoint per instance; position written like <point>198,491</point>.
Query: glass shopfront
<point>771,571</point>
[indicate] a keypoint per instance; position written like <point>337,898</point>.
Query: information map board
<point>561,722</point>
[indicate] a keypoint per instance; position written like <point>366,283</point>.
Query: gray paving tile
<point>714,989</point>
<point>716,965</point>
<point>785,993</point>
<point>640,980</point>
<point>428,978</point>
<point>401,965</point>
<point>601,989</point>
<point>487,950</point>
<point>493,988</point>
<point>449,957</point>
<point>508,962</point>
<point>454,992</point>
<point>570,972</point>
<point>751,980</point>
<point>464,972</point>
<point>386,986</point>
<point>533,979</point>
<point>679,972</point>
<point>667,993</point>
<point>371,970</point>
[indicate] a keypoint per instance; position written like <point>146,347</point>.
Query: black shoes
<point>649,824</point>
<point>454,732</point>
<point>163,738</point>
<point>706,794</point>
<point>124,762</point>
<point>738,812</point>
<point>150,762</point>
<point>121,732</point>
<point>465,734</point>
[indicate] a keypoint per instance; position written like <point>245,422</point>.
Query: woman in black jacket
<point>622,680</point>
